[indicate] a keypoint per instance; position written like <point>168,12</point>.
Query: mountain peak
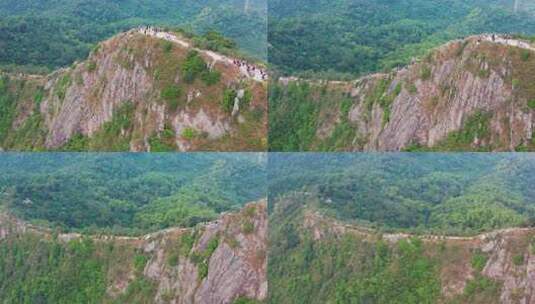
<point>152,90</point>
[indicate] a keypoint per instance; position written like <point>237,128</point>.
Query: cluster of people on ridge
<point>251,69</point>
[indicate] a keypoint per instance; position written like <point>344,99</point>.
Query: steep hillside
<point>217,262</point>
<point>316,259</point>
<point>475,94</point>
<point>143,90</point>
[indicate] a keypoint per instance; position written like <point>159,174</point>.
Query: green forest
<point>459,194</point>
<point>349,268</point>
<point>345,38</point>
<point>127,193</point>
<point>312,259</point>
<point>39,36</point>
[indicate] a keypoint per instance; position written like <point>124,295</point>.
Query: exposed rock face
<point>233,249</point>
<point>138,71</point>
<point>478,87</point>
<point>236,268</point>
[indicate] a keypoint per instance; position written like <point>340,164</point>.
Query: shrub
<point>248,227</point>
<point>412,89</point>
<point>167,46</point>
<point>62,86</point>
<point>518,260</point>
<point>189,133</point>
<point>203,270</point>
<point>425,73</point>
<point>246,100</point>
<point>91,66</point>
<point>193,66</point>
<point>139,262</point>
<point>479,261</point>
<point>228,100</point>
<point>171,94</point>
<point>211,77</point>
<point>531,104</point>
<point>38,97</point>
<point>172,259</point>
<point>525,55</point>
<point>345,107</point>
<point>165,142</point>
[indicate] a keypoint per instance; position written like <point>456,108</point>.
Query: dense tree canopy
<point>49,34</point>
<point>358,37</point>
<point>125,193</point>
<point>442,193</point>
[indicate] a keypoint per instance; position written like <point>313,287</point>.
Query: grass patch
<point>91,66</point>
<point>518,260</point>
<point>425,73</point>
<point>189,133</point>
<point>479,261</point>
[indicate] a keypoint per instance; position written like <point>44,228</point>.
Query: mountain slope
<point>471,94</point>
<point>142,90</point>
<point>316,259</point>
<point>217,262</point>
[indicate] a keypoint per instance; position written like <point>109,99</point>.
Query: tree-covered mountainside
<point>42,35</point>
<point>128,193</point>
<point>439,193</point>
<point>359,37</point>
<point>180,265</point>
<point>316,259</point>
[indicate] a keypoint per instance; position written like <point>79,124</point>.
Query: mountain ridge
<point>162,88</point>
<point>427,104</point>
<point>215,262</point>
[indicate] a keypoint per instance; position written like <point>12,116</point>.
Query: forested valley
<point>344,38</point>
<point>39,36</point>
<point>448,194</point>
<point>127,193</point>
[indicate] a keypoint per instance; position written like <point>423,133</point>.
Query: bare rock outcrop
<point>471,94</point>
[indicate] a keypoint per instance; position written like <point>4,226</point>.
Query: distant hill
<point>340,37</point>
<point>127,193</point>
<point>44,35</point>
<point>451,194</point>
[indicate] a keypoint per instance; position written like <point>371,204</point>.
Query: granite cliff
<point>474,94</point>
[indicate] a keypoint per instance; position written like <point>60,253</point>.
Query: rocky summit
<point>143,90</point>
<point>474,94</point>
